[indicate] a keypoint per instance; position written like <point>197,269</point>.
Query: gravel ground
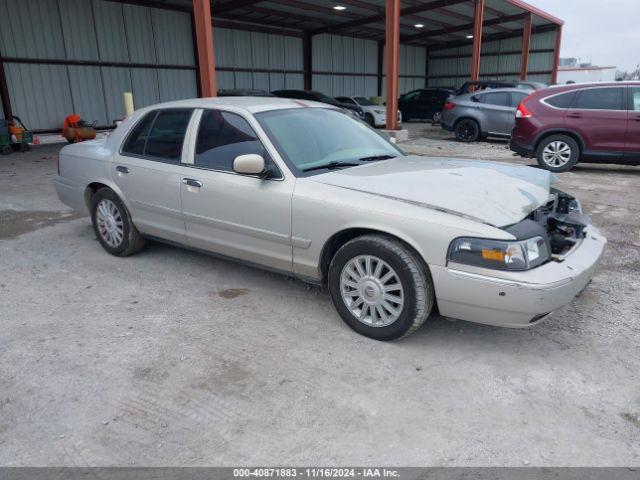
<point>172,357</point>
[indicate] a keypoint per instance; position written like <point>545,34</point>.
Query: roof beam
<point>219,8</point>
<point>462,28</point>
<point>380,17</point>
<point>493,37</point>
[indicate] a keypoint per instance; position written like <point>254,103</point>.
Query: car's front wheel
<point>380,288</point>
<point>112,224</point>
<point>558,153</point>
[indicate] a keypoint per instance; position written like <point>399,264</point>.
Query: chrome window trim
<point>156,112</point>
<point>578,90</point>
<point>190,161</point>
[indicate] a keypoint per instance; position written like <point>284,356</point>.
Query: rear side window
<point>499,98</point>
<point>564,100</point>
<point>223,136</point>
<point>600,99</point>
<point>516,98</point>
<point>138,137</point>
<point>160,134</point>
<point>634,99</point>
<point>167,134</point>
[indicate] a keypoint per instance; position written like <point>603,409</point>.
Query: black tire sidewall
<point>106,193</point>
<point>575,153</point>
<point>472,123</point>
<point>409,310</point>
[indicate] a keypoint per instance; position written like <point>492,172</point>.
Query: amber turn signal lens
<point>496,255</point>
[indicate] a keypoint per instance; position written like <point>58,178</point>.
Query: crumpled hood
<point>495,193</point>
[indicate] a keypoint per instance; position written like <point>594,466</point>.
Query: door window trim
<point>193,139</point>
<point>577,92</point>
<point>152,158</point>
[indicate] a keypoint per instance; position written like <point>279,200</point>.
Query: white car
<point>305,189</point>
<point>374,114</point>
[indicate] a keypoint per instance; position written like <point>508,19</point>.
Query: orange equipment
<point>74,129</point>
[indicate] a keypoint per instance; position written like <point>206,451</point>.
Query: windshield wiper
<point>373,158</point>
<point>331,166</point>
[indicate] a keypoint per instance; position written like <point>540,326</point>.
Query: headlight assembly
<point>499,254</point>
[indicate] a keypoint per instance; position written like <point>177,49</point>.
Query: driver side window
<point>222,136</point>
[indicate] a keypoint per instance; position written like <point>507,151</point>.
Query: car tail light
<point>523,111</point>
<point>450,106</point>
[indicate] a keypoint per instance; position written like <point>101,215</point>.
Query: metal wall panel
<point>112,39</point>
<point>261,51</point>
<point>30,89</point>
<point>95,30</point>
<point>116,81</point>
<point>78,30</point>
<point>455,71</point>
<point>139,32</point>
<point>30,29</point>
<point>173,36</point>
<point>177,84</point>
<point>146,87</point>
<point>87,93</point>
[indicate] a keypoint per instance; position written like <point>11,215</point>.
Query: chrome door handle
<point>192,182</point>
<point>122,169</point>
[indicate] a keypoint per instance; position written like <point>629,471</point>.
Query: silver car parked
<point>303,188</point>
<point>489,113</point>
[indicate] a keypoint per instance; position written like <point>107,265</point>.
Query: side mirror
<point>250,164</point>
<point>475,98</point>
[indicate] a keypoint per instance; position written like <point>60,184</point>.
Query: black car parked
<point>424,103</point>
<point>318,97</point>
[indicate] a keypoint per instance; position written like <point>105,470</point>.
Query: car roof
<point>250,104</point>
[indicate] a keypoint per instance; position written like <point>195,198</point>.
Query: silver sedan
<point>301,188</point>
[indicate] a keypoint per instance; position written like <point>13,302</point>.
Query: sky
<point>605,32</point>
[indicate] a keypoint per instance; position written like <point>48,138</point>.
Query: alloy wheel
<point>556,154</point>
<point>372,291</point>
<point>110,223</point>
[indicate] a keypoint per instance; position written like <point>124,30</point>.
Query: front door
<point>149,172</point>
<point>633,126</point>
<point>599,115</point>
<point>239,216</point>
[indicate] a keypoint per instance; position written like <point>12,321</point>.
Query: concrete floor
<point>171,357</point>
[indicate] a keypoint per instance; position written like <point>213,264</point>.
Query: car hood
<point>497,194</point>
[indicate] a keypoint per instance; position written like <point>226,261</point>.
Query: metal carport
<point>164,49</point>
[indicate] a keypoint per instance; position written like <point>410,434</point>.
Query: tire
<point>436,118</point>
<point>558,153</point>
<point>6,150</point>
<point>416,291</point>
<point>369,119</point>
<point>129,240</point>
<point>467,130</point>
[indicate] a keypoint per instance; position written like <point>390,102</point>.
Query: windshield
<point>365,101</point>
<point>308,138</point>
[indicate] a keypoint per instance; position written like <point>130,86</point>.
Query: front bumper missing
<point>517,299</point>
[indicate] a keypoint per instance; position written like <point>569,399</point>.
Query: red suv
<point>561,126</point>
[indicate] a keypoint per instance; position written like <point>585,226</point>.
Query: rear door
<point>632,145</point>
<point>599,115</point>
<point>148,171</point>
<point>498,112</point>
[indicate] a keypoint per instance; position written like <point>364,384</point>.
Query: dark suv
<point>424,103</point>
<point>561,126</point>
<point>315,96</point>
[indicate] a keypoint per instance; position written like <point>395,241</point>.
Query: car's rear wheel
<point>558,153</point>
<point>380,288</point>
<point>467,130</point>
<point>436,117</point>
<point>112,224</point>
